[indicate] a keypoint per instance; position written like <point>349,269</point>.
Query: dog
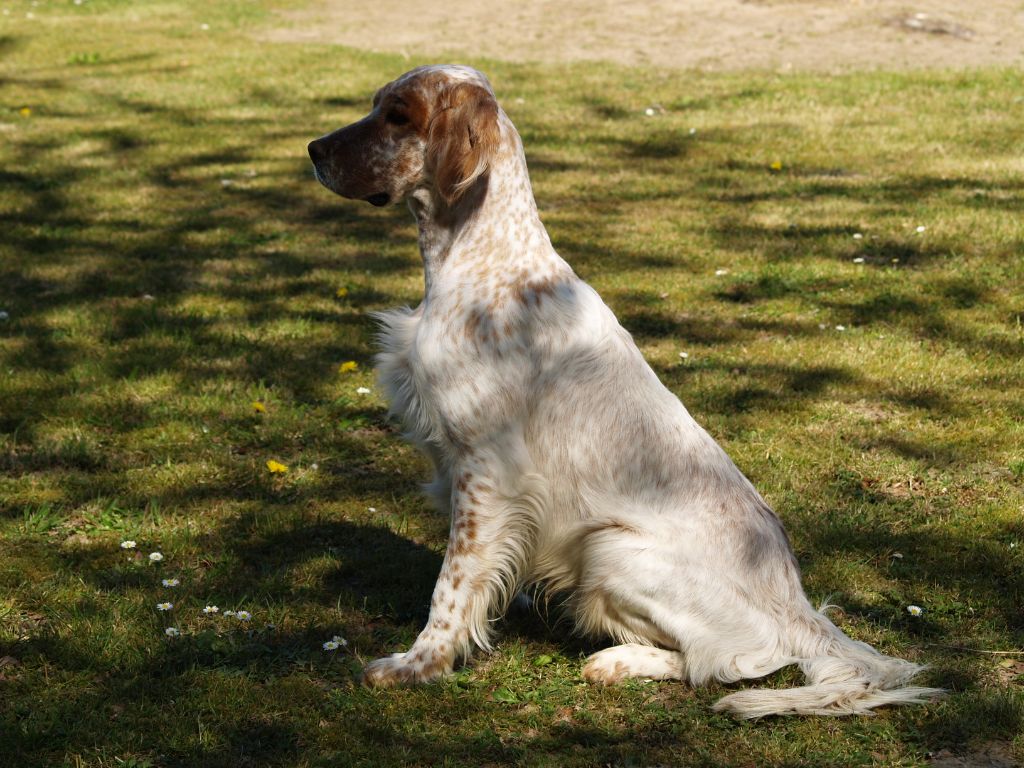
<point>562,459</point>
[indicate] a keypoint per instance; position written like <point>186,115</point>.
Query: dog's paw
<point>621,661</point>
<point>403,669</point>
<point>603,670</point>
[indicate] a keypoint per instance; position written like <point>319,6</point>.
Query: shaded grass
<point>167,261</point>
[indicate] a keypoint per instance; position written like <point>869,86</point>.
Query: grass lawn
<point>839,257</point>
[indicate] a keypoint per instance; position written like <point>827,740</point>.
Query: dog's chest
<point>451,374</point>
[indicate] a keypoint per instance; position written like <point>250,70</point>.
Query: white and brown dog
<point>560,456</point>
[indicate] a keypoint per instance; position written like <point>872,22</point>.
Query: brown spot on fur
<point>521,294</point>
<point>473,324</point>
<point>456,582</point>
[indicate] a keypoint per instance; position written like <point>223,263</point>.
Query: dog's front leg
<point>485,550</point>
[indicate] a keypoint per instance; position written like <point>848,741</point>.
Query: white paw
<point>621,661</point>
<point>604,667</point>
<point>404,669</point>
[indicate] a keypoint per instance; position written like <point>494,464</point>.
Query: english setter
<point>560,456</point>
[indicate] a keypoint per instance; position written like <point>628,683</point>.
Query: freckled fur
<point>560,456</point>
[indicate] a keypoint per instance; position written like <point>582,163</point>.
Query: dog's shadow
<point>389,579</point>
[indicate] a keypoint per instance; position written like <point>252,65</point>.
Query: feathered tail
<point>845,677</point>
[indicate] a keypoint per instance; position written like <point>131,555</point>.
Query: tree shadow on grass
<point>136,270</point>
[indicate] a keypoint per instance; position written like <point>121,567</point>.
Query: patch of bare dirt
<point>994,755</point>
<point>816,35</point>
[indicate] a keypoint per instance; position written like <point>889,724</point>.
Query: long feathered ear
<point>463,138</point>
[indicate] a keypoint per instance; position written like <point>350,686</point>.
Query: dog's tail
<point>844,676</point>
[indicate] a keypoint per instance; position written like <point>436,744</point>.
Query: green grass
<point>166,260</point>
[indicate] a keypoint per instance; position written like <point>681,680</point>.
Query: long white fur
<point>580,471</point>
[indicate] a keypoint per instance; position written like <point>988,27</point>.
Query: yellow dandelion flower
<point>258,406</point>
<point>25,111</point>
<point>277,467</point>
<point>776,166</point>
<point>342,292</point>
<point>348,366</point>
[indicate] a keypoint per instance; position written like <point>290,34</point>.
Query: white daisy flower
<point>720,272</point>
<point>229,613</point>
<point>858,236</point>
<point>164,606</point>
<point>128,544</point>
<point>840,327</point>
<point>243,616</point>
<point>341,641</point>
<point>362,391</point>
<point>921,229</point>
<point>172,632</point>
<point>371,509</point>
<point>915,610</point>
<point>330,645</point>
<point>859,260</point>
<point>170,582</point>
<point>155,557</point>
<point>211,609</point>
<point>684,355</point>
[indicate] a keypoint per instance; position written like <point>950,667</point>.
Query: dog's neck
<point>493,227</point>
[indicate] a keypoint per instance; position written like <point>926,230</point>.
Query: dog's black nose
<point>316,151</point>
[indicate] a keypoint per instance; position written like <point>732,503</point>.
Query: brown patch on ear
<point>463,137</point>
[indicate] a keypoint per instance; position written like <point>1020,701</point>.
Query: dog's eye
<point>396,118</point>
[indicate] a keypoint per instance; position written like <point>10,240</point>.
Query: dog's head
<point>434,126</point>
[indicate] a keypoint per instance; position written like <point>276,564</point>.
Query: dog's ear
<point>463,138</point>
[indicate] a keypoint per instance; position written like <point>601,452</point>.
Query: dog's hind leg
<point>639,586</point>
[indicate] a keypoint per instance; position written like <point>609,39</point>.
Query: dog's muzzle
<point>317,154</point>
